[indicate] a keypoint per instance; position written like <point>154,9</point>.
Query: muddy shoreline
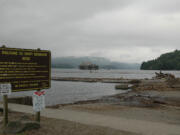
<point>143,93</point>
<point>135,99</point>
<point>155,106</point>
<point>163,89</point>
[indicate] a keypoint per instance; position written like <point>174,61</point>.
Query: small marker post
<point>38,103</point>
<point>38,114</point>
<point>5,90</point>
<point>5,110</point>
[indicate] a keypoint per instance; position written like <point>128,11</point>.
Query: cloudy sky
<point>121,30</point>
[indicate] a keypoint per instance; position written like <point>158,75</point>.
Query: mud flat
<point>156,106</point>
<point>150,100</point>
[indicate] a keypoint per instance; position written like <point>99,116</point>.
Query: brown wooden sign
<point>25,69</point>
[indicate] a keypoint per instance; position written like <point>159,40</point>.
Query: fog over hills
<point>103,63</point>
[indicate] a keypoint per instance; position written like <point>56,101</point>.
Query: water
<point>69,92</point>
<point>130,74</point>
<point>62,92</point>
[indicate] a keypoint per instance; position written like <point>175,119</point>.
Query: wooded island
<point>167,61</point>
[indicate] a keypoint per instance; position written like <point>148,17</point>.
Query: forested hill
<point>103,63</point>
<point>167,61</point>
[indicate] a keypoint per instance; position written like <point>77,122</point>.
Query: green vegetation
<point>168,61</point>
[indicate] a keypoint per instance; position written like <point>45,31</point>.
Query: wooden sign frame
<point>25,69</point>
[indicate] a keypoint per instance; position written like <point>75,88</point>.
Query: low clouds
<point>126,30</point>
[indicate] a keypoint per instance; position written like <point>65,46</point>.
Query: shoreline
<point>133,99</point>
<point>156,106</point>
<point>102,80</point>
<point>139,86</point>
<point>163,89</point>
<point>149,105</point>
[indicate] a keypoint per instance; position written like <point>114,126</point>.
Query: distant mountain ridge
<point>103,63</point>
<point>167,61</point>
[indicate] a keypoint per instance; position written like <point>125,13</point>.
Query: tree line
<point>167,61</point>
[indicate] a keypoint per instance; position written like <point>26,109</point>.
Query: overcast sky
<point>121,30</point>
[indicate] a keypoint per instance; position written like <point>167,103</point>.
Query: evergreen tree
<point>168,61</point>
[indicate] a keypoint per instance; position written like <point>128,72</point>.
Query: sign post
<point>37,117</point>
<point>5,110</point>
<point>5,90</point>
<point>38,114</point>
<point>38,103</point>
<point>23,70</point>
